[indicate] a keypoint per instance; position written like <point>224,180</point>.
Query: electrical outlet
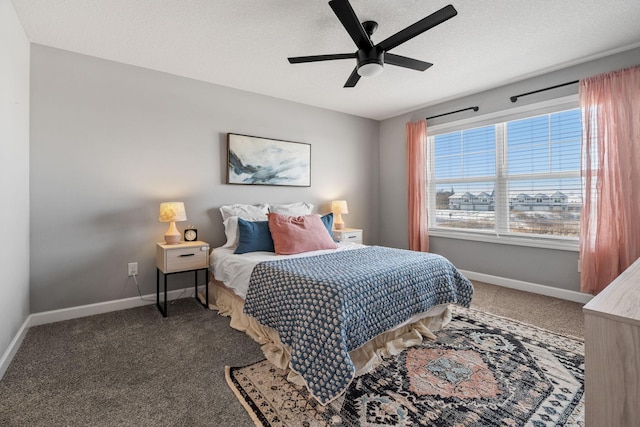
<point>132,268</point>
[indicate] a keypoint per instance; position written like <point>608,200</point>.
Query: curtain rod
<point>453,112</point>
<point>515,98</point>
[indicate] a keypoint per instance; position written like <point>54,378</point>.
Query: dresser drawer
<point>348,235</point>
<point>182,257</point>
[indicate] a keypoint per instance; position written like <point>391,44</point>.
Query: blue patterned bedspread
<point>327,305</point>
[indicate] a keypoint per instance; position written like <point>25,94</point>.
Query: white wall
<point>14,174</point>
<point>546,267</point>
<point>110,141</point>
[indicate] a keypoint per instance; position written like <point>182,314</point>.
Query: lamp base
<point>173,235</point>
<point>171,239</point>
<point>338,226</point>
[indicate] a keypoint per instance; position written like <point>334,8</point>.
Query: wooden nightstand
<point>181,258</point>
<point>348,235</point>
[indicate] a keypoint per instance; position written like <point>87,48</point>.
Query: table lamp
<point>171,212</point>
<point>339,207</point>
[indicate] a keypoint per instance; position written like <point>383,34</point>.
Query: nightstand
<point>348,235</point>
<point>181,258</point>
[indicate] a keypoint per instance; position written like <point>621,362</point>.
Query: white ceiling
<point>244,44</point>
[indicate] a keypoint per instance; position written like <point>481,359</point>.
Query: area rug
<point>482,370</point>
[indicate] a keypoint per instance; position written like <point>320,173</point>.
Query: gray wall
<point>109,142</point>
<point>14,174</point>
<point>548,267</point>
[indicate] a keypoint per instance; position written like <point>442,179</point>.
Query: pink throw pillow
<point>297,234</point>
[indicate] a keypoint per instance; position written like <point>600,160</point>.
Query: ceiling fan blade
<point>316,58</point>
<point>353,78</point>
<point>351,23</point>
<point>403,61</point>
<point>418,28</point>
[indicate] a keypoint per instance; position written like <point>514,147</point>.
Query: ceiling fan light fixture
<point>370,70</point>
<point>371,57</point>
<point>370,62</point>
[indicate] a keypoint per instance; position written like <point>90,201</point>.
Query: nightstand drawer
<point>186,259</point>
<point>182,257</point>
<point>348,235</point>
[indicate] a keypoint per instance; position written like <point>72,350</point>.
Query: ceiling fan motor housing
<point>370,62</point>
<point>371,58</point>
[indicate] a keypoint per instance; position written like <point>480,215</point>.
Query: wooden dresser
<point>612,353</point>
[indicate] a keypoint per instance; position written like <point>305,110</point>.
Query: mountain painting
<point>259,161</point>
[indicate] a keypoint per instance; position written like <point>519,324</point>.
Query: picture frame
<point>253,160</point>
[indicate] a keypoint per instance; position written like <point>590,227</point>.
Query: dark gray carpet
<point>557,315</point>
<point>128,368</point>
<point>135,368</point>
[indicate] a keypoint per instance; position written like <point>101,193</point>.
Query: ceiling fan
<point>371,58</point>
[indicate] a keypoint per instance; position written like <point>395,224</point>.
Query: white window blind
<point>514,177</point>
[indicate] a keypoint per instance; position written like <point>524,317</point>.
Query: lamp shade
<point>172,211</point>
<point>339,206</point>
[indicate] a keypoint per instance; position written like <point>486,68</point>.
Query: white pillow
<point>231,229</point>
<point>293,209</point>
<point>244,211</point>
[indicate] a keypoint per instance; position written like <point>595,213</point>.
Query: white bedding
<point>235,270</point>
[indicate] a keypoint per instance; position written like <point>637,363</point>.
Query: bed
<point>330,313</point>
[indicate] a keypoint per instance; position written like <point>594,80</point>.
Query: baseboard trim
<point>103,307</point>
<point>11,351</point>
<point>52,316</point>
<point>535,288</point>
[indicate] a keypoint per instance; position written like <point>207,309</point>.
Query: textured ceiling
<point>244,44</point>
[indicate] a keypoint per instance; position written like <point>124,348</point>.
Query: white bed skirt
<point>365,358</point>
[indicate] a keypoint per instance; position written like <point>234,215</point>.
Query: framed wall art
<point>252,160</point>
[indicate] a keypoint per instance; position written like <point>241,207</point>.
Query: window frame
<point>497,235</point>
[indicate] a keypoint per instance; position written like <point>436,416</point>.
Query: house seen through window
<point>515,177</point>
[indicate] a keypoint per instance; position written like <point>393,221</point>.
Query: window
<point>514,178</point>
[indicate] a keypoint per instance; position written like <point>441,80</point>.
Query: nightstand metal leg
<point>165,296</point>
<point>160,309</point>
<point>206,287</point>
<point>196,287</point>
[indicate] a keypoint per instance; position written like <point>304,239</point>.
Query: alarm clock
<point>190,235</point>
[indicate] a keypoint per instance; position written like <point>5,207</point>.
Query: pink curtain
<point>610,226</point>
<point>417,185</point>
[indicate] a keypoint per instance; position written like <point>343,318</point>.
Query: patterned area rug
<point>482,370</point>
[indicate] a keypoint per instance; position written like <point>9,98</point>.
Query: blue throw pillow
<point>253,236</point>
<point>327,220</point>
